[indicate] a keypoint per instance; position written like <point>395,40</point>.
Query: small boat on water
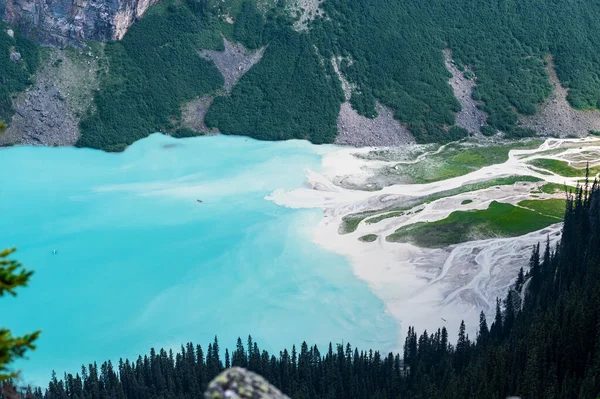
<point>200,201</point>
<point>54,251</point>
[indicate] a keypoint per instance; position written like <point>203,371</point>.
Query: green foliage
<point>350,222</point>
<point>15,76</point>
<point>368,238</point>
<point>487,130</point>
<point>392,55</point>
<point>153,71</point>
<point>518,132</point>
<point>185,132</point>
<point>199,7</point>
<point>562,167</point>
<point>12,276</point>
<point>465,188</point>
<point>289,94</point>
<point>498,220</point>
<point>455,160</point>
<point>551,207</point>
<point>391,52</point>
<point>553,188</point>
<point>466,202</point>
<point>249,25</point>
<point>384,216</point>
<point>364,103</point>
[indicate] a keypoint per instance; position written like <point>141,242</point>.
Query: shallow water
<point>140,263</point>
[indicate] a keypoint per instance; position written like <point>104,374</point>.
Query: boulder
<point>15,57</point>
<point>239,383</point>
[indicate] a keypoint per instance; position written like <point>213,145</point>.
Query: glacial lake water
<point>140,263</point>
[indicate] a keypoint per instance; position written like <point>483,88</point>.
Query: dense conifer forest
<point>544,342</point>
<point>15,74</point>
<point>154,70</point>
<point>390,52</point>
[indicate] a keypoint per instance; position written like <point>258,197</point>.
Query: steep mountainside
<point>329,67</point>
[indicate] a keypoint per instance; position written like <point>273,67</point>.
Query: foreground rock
<point>238,383</point>
<point>62,22</point>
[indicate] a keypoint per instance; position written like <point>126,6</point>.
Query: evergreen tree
<point>496,328</point>
<point>483,332</point>
<point>12,276</point>
<point>509,313</point>
<point>520,280</point>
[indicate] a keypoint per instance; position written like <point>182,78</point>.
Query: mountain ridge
<point>329,74</point>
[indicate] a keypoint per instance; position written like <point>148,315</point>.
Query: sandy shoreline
<point>422,286</point>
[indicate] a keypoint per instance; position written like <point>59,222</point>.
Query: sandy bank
<point>421,286</point>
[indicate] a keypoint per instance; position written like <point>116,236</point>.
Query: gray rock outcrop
<point>239,383</point>
<point>62,22</point>
<point>15,57</point>
<point>48,112</point>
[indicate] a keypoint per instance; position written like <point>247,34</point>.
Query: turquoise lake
<point>140,263</point>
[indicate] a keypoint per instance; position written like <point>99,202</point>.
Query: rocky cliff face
<point>62,22</point>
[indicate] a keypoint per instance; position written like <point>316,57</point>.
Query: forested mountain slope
<point>389,52</point>
<point>18,61</point>
<point>543,343</point>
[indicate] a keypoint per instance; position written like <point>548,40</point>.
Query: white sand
<point>420,286</point>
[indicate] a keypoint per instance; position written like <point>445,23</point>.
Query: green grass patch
<point>500,181</point>
<point>467,201</point>
<point>553,188</point>
<point>456,160</point>
<point>350,223</point>
<point>379,218</point>
<point>368,238</point>
<point>554,207</point>
<point>498,220</point>
<point>562,168</point>
<point>354,220</point>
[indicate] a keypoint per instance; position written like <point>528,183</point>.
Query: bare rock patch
<point>470,117</point>
<point>50,111</point>
<point>233,62</point>
<point>193,114</point>
<point>307,10</point>
<point>556,117</point>
<point>360,131</point>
